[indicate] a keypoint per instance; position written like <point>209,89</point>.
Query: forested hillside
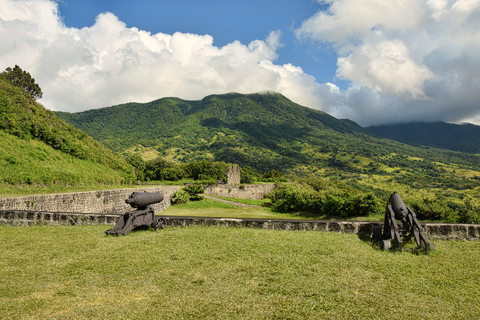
<point>458,137</point>
<point>263,131</point>
<point>39,149</point>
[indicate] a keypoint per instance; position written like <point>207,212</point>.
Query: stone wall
<point>99,202</point>
<point>441,231</point>
<point>250,191</point>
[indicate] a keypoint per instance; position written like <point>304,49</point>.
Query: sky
<point>371,61</point>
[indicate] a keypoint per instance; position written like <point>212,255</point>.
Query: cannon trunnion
<point>410,226</point>
<point>143,216</point>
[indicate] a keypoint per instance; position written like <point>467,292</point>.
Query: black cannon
<point>410,226</point>
<point>143,216</point>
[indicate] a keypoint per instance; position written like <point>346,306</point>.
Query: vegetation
<point>42,153</point>
<point>188,193</point>
<point>23,79</point>
<point>32,166</point>
<point>229,273</point>
<point>273,139</point>
<point>261,131</point>
<point>463,138</point>
<point>323,198</point>
<point>22,117</point>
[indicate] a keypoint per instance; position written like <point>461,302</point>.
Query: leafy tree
<point>154,168</point>
<point>274,175</point>
<point>23,79</point>
<point>137,162</point>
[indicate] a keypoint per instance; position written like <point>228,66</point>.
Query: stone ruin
<point>233,174</point>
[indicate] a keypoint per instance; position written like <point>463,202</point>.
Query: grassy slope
<point>42,153</point>
<point>31,166</point>
<point>229,273</point>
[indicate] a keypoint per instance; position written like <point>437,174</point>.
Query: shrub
<point>330,200</point>
<point>193,191</point>
<point>181,196</point>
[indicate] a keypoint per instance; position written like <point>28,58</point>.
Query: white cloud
<point>108,63</point>
<point>406,60</point>
<point>386,66</point>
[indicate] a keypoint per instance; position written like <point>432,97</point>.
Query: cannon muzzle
<point>142,200</point>
<point>398,206</point>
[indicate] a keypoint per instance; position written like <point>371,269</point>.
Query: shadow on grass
<point>409,246</point>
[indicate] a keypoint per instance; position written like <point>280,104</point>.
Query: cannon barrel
<point>398,206</point>
<point>141,200</point>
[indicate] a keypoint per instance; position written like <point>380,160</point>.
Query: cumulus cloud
<point>108,63</point>
<point>409,60</point>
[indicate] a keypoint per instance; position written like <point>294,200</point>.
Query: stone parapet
<point>30,218</point>
<point>441,231</point>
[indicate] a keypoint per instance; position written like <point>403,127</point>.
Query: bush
<point>181,196</point>
<point>470,213</point>
<point>193,191</point>
<point>329,200</point>
<point>432,209</point>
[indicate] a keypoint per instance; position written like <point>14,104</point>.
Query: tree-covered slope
<point>264,131</point>
<point>463,137</point>
<point>38,148</point>
<point>261,130</point>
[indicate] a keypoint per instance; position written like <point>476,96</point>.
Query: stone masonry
<point>98,202</point>
<point>233,174</point>
<point>247,191</point>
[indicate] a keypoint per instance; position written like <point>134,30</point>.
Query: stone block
<point>348,227</point>
<point>335,226</point>
<point>473,231</point>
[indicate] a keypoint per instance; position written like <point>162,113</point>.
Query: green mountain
<point>263,131</point>
<point>40,149</point>
<point>260,130</point>
<point>463,137</point>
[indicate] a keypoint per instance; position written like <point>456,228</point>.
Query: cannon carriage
<point>410,227</point>
<point>144,215</point>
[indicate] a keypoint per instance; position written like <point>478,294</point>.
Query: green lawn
<point>77,272</point>
<point>212,208</point>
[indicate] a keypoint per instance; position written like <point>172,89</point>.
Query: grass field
<point>211,208</point>
<point>77,272</point>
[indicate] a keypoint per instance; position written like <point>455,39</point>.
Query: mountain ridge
<point>463,137</point>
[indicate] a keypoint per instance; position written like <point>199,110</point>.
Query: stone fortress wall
<point>104,207</point>
<point>98,202</point>
<point>113,201</point>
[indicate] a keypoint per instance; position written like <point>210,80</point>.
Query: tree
<point>24,80</point>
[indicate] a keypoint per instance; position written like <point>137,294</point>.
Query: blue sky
<point>371,61</point>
